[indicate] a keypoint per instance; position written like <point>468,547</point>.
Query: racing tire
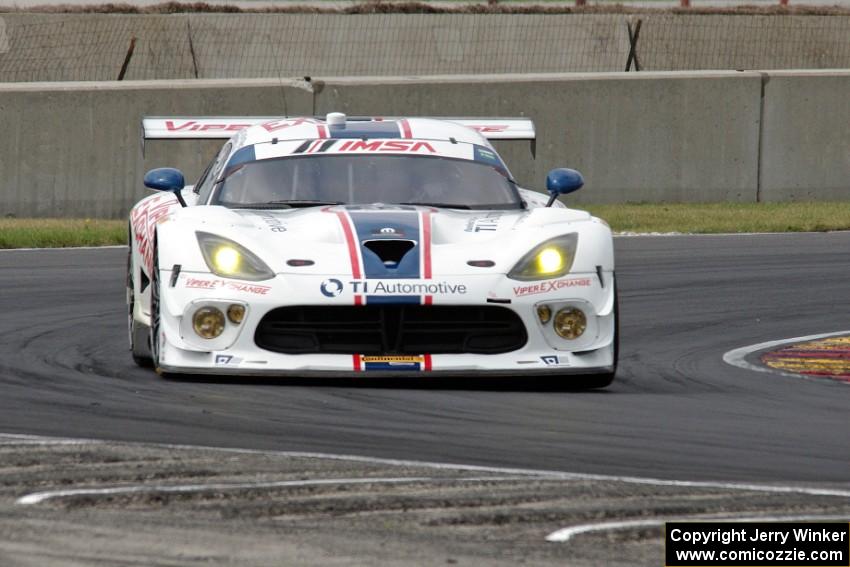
<point>155,312</point>
<point>138,333</point>
<point>597,381</point>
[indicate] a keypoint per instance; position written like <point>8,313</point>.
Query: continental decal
<point>417,363</point>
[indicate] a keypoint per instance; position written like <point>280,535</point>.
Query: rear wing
<point>223,127</point>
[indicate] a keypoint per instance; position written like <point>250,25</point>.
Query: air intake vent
<point>390,250</point>
<point>391,329</point>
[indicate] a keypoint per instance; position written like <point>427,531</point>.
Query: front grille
<point>391,329</point>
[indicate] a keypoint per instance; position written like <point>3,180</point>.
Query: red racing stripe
<point>426,245</point>
<point>428,364</point>
<point>351,242</point>
<point>405,129</point>
<point>428,300</point>
<point>356,360</point>
<point>323,131</point>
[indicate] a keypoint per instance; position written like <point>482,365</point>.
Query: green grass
<point>61,233</point>
<point>714,218</point>
<point>709,218</point>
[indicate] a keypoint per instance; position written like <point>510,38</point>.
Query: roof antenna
<point>335,119</point>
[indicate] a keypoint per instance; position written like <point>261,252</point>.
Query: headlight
<point>231,260</point>
<point>570,323</point>
<point>552,259</point>
<point>208,322</point>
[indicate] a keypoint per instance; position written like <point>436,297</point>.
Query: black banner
<point>757,544</point>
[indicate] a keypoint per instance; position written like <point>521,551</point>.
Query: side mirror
<point>561,181</point>
<point>166,179</point>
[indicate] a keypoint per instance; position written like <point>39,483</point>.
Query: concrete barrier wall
<point>636,137</point>
<point>73,149</point>
<point>77,47</point>
<point>94,47</point>
<point>806,137</point>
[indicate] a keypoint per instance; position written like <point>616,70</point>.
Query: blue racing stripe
<point>381,224</point>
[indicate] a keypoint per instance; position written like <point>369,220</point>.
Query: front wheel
<point>138,333</point>
<point>155,313</point>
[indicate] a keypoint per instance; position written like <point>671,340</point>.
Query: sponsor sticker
<point>410,146</point>
<point>333,287</point>
<point>227,360</point>
<point>555,360</point>
<point>201,283</point>
<point>274,223</point>
<point>487,223</point>
<point>550,286</point>
<point>144,218</point>
<point>414,363</point>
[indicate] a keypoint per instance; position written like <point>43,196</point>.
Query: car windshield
<point>364,179</point>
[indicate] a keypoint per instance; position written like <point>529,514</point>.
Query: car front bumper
<point>235,352</point>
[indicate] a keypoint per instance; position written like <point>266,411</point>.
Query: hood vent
<point>390,250</point>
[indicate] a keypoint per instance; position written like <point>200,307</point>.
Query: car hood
<point>387,241</point>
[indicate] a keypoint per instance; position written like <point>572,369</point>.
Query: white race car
<point>344,246</point>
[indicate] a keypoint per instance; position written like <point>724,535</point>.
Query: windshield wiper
<point>282,204</point>
<point>440,205</point>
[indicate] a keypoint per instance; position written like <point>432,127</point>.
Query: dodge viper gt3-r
<point>343,246</point>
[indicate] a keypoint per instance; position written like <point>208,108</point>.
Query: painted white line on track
<point>566,534</point>
<point>39,497</point>
<point>531,474</point>
<point>737,357</point>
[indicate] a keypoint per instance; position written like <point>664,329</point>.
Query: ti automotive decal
<point>333,287</point>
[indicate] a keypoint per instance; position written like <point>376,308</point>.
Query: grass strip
<point>703,218</point>
<point>716,218</point>
<point>61,233</point>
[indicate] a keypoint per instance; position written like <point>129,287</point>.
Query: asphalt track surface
<point>676,411</point>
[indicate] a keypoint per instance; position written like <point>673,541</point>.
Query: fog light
<point>570,323</point>
<point>544,313</point>
<point>208,322</point>
<point>235,314</point>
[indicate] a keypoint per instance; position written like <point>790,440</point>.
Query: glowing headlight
<point>226,259</point>
<point>208,322</point>
<point>551,259</point>
<point>231,260</point>
<point>570,323</point>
